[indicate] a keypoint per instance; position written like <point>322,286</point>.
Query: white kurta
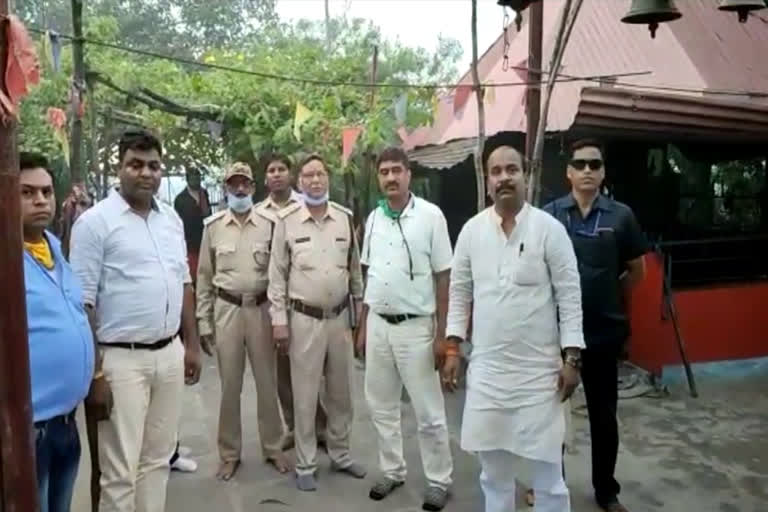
<point>515,286</point>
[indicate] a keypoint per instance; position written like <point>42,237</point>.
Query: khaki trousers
<point>136,442</point>
<point>285,392</point>
<point>321,347</point>
<point>242,330</point>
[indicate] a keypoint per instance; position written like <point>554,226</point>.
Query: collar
<point>230,217</point>
<point>520,217</point>
<point>409,206</point>
<point>116,196</point>
<point>295,197</point>
<point>306,215</point>
<point>601,202</point>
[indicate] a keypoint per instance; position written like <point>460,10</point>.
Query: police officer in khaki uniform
<point>232,311</point>
<point>314,268</point>
<point>277,179</point>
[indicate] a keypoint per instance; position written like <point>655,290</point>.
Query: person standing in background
<point>129,253</point>
<point>61,348</point>
<point>193,205</point>
<point>609,246</point>
<point>233,316</point>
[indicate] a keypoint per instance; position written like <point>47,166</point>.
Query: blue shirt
<point>61,355</point>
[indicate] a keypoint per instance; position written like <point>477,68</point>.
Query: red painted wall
<point>717,323</point>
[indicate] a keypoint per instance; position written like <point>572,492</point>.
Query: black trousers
<point>599,373</point>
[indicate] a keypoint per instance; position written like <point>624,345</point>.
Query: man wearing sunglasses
<point>407,258</point>
<point>609,246</point>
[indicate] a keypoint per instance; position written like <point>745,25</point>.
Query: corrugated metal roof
<point>706,50</point>
<point>686,116</point>
<point>444,156</point>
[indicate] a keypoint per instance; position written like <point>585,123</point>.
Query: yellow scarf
<point>41,252</point>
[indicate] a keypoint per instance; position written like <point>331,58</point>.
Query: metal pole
<point>533,90</point>
<point>18,482</point>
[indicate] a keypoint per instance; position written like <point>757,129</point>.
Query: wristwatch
<point>573,361</point>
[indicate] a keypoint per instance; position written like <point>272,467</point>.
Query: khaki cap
<point>239,169</point>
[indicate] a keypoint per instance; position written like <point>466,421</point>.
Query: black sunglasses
<point>579,164</point>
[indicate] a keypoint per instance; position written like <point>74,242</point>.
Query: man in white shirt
<point>515,269</point>
<point>407,258</point>
<point>130,255</point>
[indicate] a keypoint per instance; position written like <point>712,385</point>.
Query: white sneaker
<point>184,465</point>
<point>184,451</point>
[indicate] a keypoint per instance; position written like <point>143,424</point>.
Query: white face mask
<point>239,204</point>
<point>315,201</point>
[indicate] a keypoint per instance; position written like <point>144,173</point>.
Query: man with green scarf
<point>407,257</point>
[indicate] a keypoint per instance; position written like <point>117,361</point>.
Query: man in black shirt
<point>609,247</point>
<point>193,206</point>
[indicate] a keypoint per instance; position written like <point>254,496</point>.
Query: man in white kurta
<point>515,269</point>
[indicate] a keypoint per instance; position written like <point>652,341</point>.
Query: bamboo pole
<point>568,20</point>
<point>479,94</point>
<point>18,481</point>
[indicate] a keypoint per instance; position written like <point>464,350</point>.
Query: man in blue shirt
<point>61,349</point>
<point>609,246</point>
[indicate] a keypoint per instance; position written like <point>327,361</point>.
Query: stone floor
<point>677,454</point>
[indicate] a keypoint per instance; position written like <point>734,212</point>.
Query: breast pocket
<point>531,270</point>
<point>341,251</point>
<point>303,256</point>
<point>261,255</point>
<point>225,257</point>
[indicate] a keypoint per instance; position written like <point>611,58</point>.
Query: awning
<point>623,111</point>
<point>443,156</point>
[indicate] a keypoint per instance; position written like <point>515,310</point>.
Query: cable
<point>406,85</point>
<point>273,76</point>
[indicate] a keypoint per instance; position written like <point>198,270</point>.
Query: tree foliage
<point>256,113</point>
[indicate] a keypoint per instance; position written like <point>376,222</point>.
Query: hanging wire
<point>404,85</point>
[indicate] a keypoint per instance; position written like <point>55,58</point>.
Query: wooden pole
<point>18,481</point>
<point>567,23</point>
<point>479,94</point>
<point>533,89</point>
<point>78,58</point>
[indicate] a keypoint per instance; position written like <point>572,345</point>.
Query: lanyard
<point>582,232</point>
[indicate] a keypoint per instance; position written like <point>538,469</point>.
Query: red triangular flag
<point>461,97</point>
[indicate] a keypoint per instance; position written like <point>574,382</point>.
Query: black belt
<point>157,345</point>
<point>64,418</point>
<point>398,319</point>
<point>237,300</point>
<point>316,312</point>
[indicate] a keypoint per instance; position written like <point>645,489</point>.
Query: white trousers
<point>398,355</point>
<point>497,479</point>
<point>136,442</point>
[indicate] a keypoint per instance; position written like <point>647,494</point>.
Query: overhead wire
<point>601,79</point>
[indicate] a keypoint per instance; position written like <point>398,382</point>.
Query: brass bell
<point>651,13</point>
<point>515,5</point>
<point>742,7</point>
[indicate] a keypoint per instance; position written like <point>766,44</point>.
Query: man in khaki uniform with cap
<point>277,179</point>
<point>314,268</point>
<point>232,314</point>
